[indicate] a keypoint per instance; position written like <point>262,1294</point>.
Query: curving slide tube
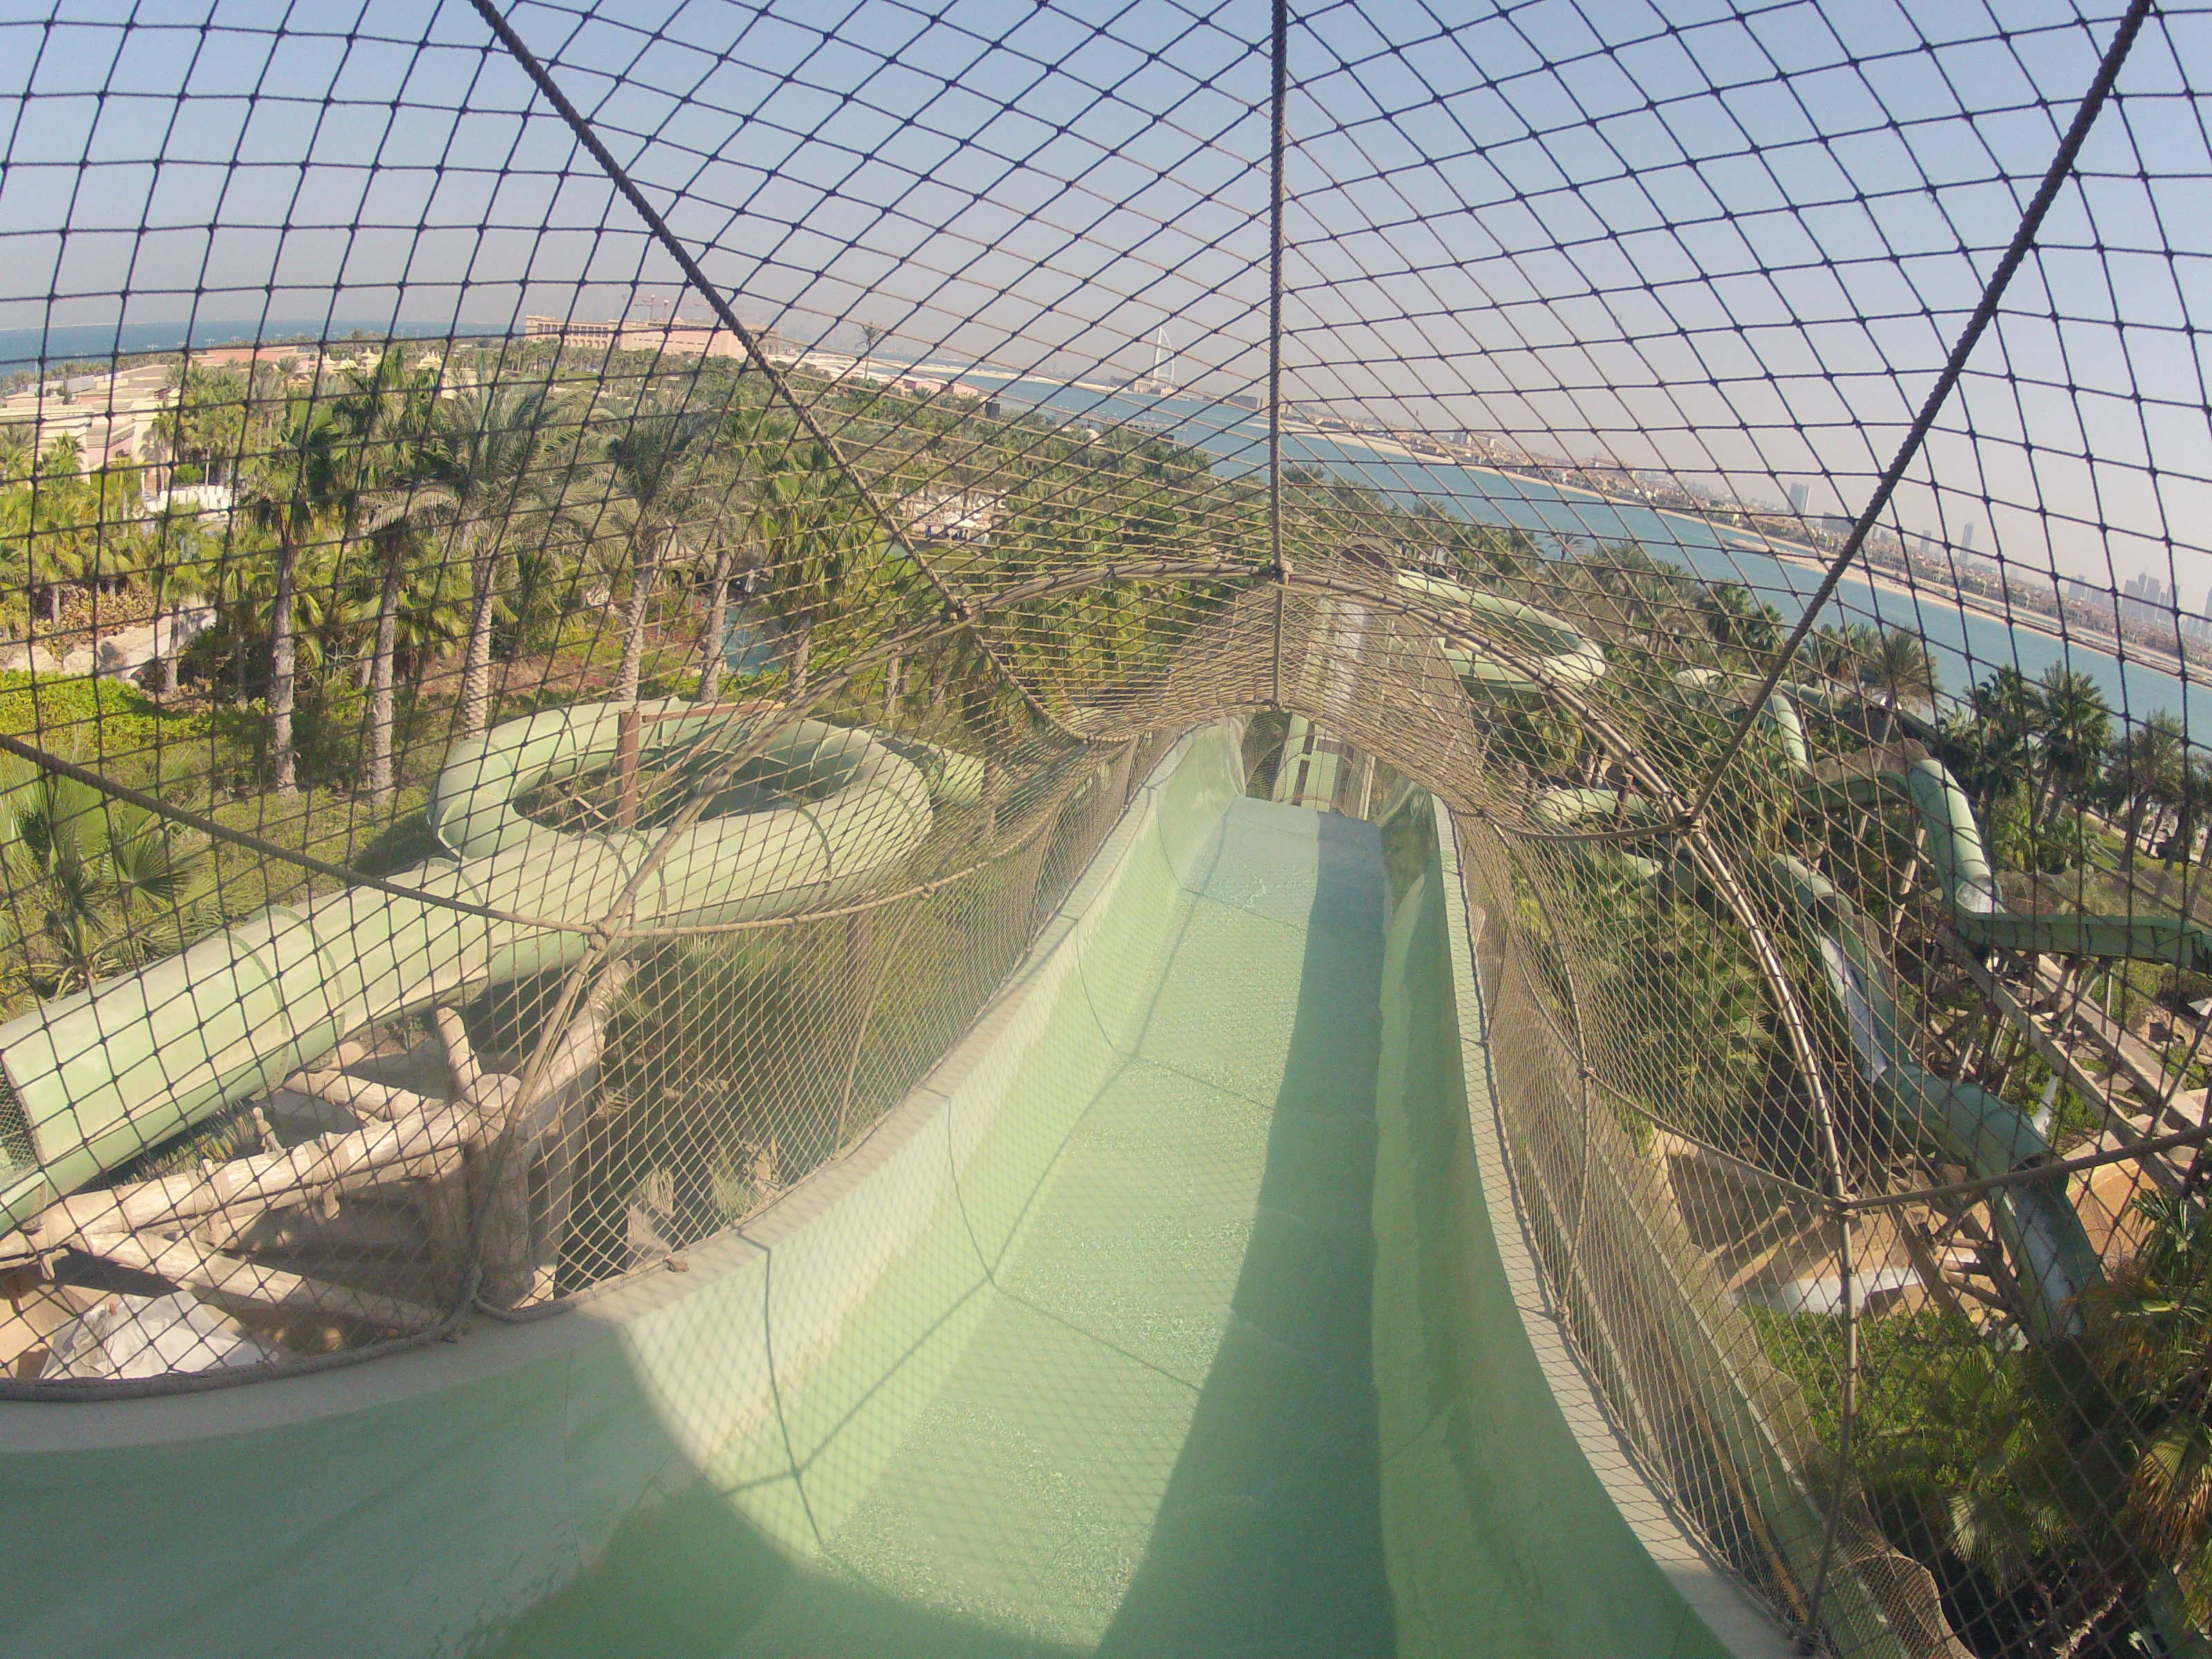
<point>2042,1233</point>
<point>1960,859</point>
<point>1567,658</point>
<point>1989,1135</point>
<point>823,813</point>
<point>1709,688</point>
<point>2040,1228</point>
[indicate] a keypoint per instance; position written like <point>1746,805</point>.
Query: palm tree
<point>17,542</point>
<point>817,538</point>
<point>2192,815</point>
<point>110,880</point>
<point>657,471</point>
<point>2092,1487</point>
<point>386,412</point>
<point>64,527</point>
<point>1899,669</point>
<point>1838,652</point>
<point>2145,771</point>
<point>2147,1343</point>
<point>172,545</point>
<point>483,474</point>
<point>762,447</point>
<point>658,479</point>
<point>204,421</point>
<point>433,616</point>
<point>244,587</point>
<point>288,495</point>
<point>1991,750</point>
<point>476,471</point>
<point>2074,728</point>
<point>1737,621</point>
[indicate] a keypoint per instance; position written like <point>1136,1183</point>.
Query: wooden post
<point>524,1184</point>
<point>239,1284</point>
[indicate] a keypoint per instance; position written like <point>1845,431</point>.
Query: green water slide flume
<point>1988,1135</point>
<point>1564,654</point>
<point>1183,1307</point>
<point>2040,1228</point>
<point>824,812</point>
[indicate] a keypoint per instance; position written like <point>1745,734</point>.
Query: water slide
<point>1988,1136</point>
<point>2051,1255</point>
<point>1182,1309</point>
<point>822,812</point>
<point>1565,656</point>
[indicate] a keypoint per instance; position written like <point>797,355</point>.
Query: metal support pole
<point>2023,239</point>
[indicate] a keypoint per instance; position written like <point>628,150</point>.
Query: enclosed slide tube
<point>1959,858</point>
<point>1987,1134</point>
<point>1709,687</point>
<point>2040,1228</point>
<point>1565,656</point>
<point>1961,865</point>
<point>94,1079</point>
<point>2042,1232</point>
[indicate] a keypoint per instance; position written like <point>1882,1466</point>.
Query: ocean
<point>26,348</point>
<point>1967,645</point>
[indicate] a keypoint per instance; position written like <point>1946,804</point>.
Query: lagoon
<point>1967,645</point>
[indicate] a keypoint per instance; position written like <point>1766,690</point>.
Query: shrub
<point>93,720</point>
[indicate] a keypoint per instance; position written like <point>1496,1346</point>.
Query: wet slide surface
<point>1158,1435</point>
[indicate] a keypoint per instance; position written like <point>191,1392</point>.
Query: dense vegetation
<point>423,544</point>
<point>425,541</point>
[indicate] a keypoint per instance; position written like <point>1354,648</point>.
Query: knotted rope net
<point>583,580</point>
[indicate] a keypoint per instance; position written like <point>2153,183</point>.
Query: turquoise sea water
<point>1968,645</point>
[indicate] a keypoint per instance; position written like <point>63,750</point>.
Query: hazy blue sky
<point>1730,238</point>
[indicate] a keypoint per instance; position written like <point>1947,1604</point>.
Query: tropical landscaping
<point>423,545</point>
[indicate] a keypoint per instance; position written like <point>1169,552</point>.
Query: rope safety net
<point>582,580</point>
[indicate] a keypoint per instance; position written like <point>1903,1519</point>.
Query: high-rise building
<point>1799,494</point>
<point>2148,598</point>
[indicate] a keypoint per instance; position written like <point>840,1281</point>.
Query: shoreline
<point>2120,650</point>
<point>1727,538</point>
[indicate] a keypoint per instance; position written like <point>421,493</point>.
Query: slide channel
<point>1178,1311</point>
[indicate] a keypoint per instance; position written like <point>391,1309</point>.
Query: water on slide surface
<point>1159,1434</point>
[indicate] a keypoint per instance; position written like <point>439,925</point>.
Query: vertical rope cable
<point>2024,236</point>
<point>2023,239</point>
<point>1279,141</point>
<point>955,606</point>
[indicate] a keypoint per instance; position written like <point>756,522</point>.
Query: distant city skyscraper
<point>1799,494</point>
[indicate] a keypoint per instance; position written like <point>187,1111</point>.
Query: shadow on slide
<point>1265,1535</point>
<point>1269,1539</point>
